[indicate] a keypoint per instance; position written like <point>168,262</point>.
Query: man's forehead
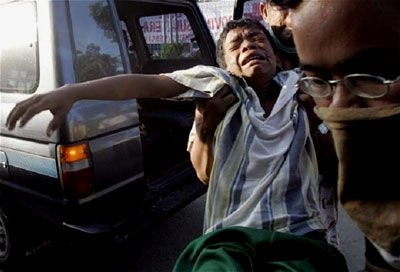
<point>346,30</point>
<point>370,60</point>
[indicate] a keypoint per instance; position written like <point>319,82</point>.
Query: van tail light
<point>76,170</point>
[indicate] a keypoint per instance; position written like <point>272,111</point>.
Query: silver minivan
<point>113,167</point>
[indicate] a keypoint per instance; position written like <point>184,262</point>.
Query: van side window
<point>97,49</point>
<point>19,72</point>
<point>169,36</point>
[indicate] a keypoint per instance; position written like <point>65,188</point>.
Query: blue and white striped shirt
<point>265,173</point>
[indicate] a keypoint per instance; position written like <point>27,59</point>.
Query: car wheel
<point>11,248</point>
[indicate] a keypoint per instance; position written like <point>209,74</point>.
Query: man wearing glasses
<point>351,69</point>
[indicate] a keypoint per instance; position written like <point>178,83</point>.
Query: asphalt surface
<point>157,249</point>
<point>351,242</point>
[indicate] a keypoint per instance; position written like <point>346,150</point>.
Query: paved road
<point>153,251</point>
<point>157,249</point>
<point>352,243</point>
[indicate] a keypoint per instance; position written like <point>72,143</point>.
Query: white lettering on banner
<point>166,28</point>
<point>176,27</point>
<point>252,10</point>
<point>217,15</point>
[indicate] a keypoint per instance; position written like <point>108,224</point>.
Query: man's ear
<point>279,63</point>
<point>263,10</point>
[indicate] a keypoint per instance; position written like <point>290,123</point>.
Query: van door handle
<point>4,171</point>
<point>3,160</point>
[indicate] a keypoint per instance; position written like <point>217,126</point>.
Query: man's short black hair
<point>286,4</point>
<point>233,24</point>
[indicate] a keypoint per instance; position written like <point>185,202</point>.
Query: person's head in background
<point>246,49</point>
<point>278,24</point>
<point>347,38</point>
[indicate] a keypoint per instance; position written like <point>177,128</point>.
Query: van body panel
<point>88,119</point>
<point>136,149</point>
<point>122,162</point>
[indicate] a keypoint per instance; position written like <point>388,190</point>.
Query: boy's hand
<point>308,103</point>
<point>211,111</point>
<point>59,103</point>
<point>324,145</point>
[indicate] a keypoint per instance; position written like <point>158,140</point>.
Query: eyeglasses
<point>363,85</point>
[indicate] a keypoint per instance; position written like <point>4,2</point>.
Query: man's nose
<point>342,97</point>
<point>288,19</point>
<point>247,44</point>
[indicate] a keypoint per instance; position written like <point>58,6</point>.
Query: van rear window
<point>97,48</point>
<point>18,47</point>
<point>170,36</point>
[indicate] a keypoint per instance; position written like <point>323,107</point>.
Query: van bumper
<point>137,217</point>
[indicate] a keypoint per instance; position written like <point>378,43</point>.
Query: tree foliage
<point>101,14</point>
<point>172,50</point>
<point>92,64</point>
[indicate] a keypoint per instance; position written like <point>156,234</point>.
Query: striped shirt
<point>265,173</point>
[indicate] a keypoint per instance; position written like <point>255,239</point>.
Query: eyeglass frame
<point>333,83</point>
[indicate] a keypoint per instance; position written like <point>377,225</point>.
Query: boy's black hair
<point>233,24</point>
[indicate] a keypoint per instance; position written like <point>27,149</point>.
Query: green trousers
<point>246,249</point>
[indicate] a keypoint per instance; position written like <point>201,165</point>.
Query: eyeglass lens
<point>361,85</point>
<point>366,86</point>
<point>314,86</point>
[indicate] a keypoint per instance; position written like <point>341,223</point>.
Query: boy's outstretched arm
<point>119,87</point>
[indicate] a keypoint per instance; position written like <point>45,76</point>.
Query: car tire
<point>12,248</point>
